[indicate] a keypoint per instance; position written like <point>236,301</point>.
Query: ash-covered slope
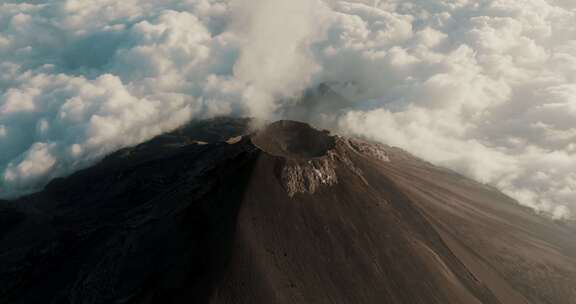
<point>287,215</point>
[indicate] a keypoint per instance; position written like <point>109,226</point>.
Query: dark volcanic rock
<point>149,224</point>
<point>287,215</point>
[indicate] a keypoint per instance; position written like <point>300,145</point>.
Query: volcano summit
<point>212,213</point>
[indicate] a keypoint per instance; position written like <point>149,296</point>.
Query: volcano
<point>214,213</point>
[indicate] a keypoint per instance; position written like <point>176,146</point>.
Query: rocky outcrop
<point>373,150</point>
<point>308,176</point>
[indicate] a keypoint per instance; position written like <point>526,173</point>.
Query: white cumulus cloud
<point>485,87</point>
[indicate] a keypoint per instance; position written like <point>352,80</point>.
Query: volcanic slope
<point>288,214</point>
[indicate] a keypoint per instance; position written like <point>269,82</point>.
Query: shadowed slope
<point>149,224</point>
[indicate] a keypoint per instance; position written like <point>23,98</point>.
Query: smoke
<point>275,60</point>
<point>485,87</point>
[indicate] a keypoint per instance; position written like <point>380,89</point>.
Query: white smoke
<point>485,87</point>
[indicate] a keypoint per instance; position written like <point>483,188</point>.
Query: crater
<point>292,139</point>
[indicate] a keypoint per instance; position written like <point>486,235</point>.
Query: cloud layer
<point>485,87</point>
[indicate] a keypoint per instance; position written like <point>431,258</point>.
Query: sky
<point>484,87</point>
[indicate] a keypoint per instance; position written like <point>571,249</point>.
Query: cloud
<point>474,85</point>
<point>483,87</point>
<point>274,60</point>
